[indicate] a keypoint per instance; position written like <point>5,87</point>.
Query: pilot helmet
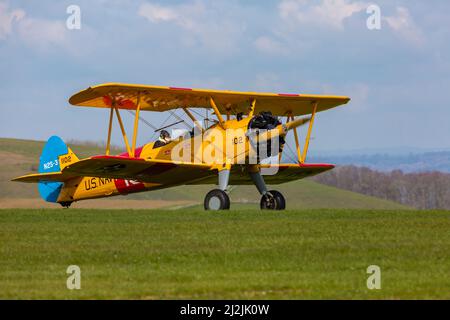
<point>164,134</point>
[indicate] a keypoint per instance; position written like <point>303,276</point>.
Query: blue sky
<point>398,77</point>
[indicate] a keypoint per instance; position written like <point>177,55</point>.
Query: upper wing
<point>284,173</point>
<point>158,98</point>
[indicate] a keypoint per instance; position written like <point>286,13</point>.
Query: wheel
<point>66,204</point>
<point>273,200</point>
<point>217,200</point>
<point>281,202</point>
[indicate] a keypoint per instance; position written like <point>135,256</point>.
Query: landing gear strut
<point>270,200</point>
<point>218,199</point>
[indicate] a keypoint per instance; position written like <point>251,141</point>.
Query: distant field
<point>19,157</point>
<point>239,254</point>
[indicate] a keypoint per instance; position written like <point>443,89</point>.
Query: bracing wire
<point>180,119</point>
<point>162,125</point>
<point>143,120</point>
<point>292,155</point>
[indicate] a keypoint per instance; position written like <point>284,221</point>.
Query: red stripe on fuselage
<point>137,153</point>
<point>128,186</point>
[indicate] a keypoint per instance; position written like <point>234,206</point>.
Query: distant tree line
<point>412,162</point>
<point>427,190</point>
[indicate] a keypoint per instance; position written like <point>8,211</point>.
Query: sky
<point>398,76</point>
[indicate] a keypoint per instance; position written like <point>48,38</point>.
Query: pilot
<point>164,138</point>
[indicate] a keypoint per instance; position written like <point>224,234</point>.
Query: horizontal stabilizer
<point>40,177</point>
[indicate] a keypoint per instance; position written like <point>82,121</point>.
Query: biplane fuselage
<point>225,153</point>
<point>235,145</point>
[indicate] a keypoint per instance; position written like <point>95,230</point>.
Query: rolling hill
<point>19,157</point>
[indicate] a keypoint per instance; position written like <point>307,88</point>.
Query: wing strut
<point>216,111</point>
<point>302,156</point>
<point>308,135</point>
<point>297,144</point>
<point>125,139</point>
<point>131,151</point>
<point>252,108</point>
<point>136,124</point>
<point>108,143</point>
<point>191,116</point>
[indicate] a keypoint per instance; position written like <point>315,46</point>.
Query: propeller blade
<point>296,123</point>
<point>282,129</point>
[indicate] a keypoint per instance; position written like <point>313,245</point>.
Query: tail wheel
<point>273,200</point>
<point>217,200</point>
<point>66,204</point>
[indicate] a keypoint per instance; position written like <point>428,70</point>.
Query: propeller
<point>264,127</point>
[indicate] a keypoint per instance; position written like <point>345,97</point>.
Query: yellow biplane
<point>232,149</point>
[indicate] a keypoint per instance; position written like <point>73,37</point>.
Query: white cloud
<point>41,33</point>
<point>207,25</point>
<point>156,13</point>
<point>404,26</point>
<point>7,18</point>
<point>38,33</point>
<point>328,13</point>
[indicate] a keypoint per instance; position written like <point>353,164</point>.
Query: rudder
<point>50,162</point>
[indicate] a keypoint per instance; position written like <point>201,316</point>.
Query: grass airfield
<point>318,249</point>
<point>240,254</point>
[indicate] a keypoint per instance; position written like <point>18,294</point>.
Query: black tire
<point>217,200</point>
<point>281,202</point>
<point>66,204</point>
<point>273,200</point>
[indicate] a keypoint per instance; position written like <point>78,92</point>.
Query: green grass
<point>238,254</point>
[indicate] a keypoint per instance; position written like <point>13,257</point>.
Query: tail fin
<point>52,162</point>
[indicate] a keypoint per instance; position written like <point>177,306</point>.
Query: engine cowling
<point>265,121</point>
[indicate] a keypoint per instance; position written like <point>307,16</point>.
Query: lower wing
<point>114,167</point>
<point>172,173</point>
<point>278,173</point>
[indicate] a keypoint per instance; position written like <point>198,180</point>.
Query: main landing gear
<point>218,199</point>
<point>273,200</point>
<point>270,200</point>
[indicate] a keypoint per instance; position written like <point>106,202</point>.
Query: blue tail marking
<point>49,162</point>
